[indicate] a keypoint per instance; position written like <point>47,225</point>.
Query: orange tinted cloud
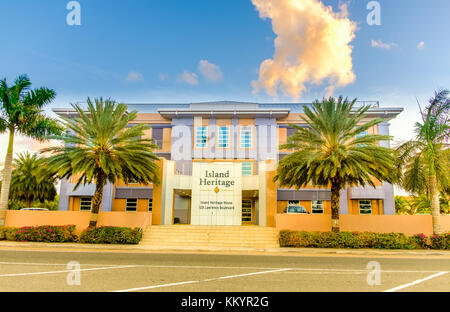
<point>312,47</point>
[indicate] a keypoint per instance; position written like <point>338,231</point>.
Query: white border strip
<point>415,282</point>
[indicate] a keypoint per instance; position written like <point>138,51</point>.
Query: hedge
<point>45,233</point>
<point>7,233</point>
<point>362,240</point>
<point>111,235</point>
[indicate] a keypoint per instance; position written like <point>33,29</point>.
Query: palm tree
<point>31,180</point>
<point>333,151</point>
<point>101,147</point>
<point>21,112</point>
<point>424,161</point>
<point>402,206</point>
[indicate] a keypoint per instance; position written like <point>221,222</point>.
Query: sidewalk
<point>76,247</point>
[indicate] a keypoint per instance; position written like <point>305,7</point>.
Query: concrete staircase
<point>188,236</point>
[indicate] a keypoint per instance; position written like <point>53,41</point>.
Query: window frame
<point>150,205</point>
<point>81,203</point>
<point>245,213</point>
<point>241,133</point>
<point>219,137</point>
<point>251,168</point>
<point>127,205</point>
<point>317,202</point>
<point>205,137</point>
<point>359,206</point>
<point>156,141</point>
<point>362,134</point>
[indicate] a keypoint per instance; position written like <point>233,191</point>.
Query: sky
<point>172,51</point>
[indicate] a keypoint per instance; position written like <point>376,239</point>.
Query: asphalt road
<point>25,271</point>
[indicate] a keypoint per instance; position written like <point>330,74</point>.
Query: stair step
<point>210,236</point>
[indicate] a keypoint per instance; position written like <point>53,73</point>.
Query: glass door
<point>247,215</point>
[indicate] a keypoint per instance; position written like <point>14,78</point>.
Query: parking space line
<point>415,282</point>
<point>156,286</point>
<point>53,264</point>
<point>254,273</point>
<point>193,282</point>
<point>65,271</point>
<point>222,267</point>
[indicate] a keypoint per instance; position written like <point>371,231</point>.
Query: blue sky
<point>137,51</point>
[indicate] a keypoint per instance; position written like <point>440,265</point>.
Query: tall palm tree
<point>332,151</point>
<point>100,147</point>
<point>21,113</point>
<point>31,180</point>
<point>424,161</point>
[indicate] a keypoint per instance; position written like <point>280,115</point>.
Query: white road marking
<point>320,273</point>
<point>53,264</point>
<point>415,282</point>
<point>156,286</point>
<point>193,282</point>
<point>221,267</point>
<point>65,271</point>
<point>254,273</point>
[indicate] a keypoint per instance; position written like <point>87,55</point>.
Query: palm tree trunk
<point>6,179</point>
<point>435,205</point>
<point>335,199</point>
<point>97,200</point>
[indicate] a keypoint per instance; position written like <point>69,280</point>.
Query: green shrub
<point>111,235</point>
<point>420,241</point>
<point>46,233</point>
<point>392,241</point>
<point>440,241</point>
<point>7,233</point>
<point>360,240</point>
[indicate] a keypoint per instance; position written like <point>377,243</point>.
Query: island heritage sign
<point>216,194</point>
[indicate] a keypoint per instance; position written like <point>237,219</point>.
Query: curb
<point>269,251</point>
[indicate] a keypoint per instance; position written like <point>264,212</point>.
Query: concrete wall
<point>409,225</point>
<point>16,218</point>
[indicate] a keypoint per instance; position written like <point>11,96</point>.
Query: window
<point>317,206</point>
<point>224,137</point>
<point>150,204</point>
<point>365,207</point>
<point>246,210</point>
<point>362,134</point>
<point>291,131</point>
<point>86,204</point>
<point>157,136</point>
<point>292,203</point>
<point>246,137</point>
<point>131,204</point>
<point>247,168</point>
<point>201,137</point>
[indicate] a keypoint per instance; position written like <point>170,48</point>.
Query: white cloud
<point>380,44</point>
<point>134,76</point>
<point>210,71</point>
<point>421,45</point>
<point>189,78</point>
